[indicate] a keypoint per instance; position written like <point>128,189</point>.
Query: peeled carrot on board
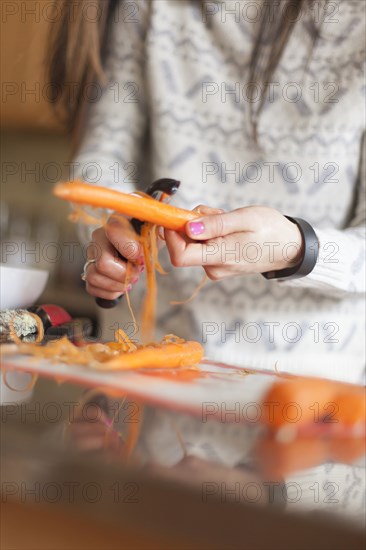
<point>172,352</point>
<point>171,355</point>
<point>144,208</point>
<point>305,401</point>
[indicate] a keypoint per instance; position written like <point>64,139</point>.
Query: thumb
<point>215,225</point>
<point>207,210</point>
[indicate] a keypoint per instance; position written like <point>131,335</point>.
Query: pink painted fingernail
<point>134,280</point>
<point>142,268</point>
<point>196,228</point>
<point>129,288</point>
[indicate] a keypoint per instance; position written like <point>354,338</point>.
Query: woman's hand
<point>106,277</point>
<point>254,239</point>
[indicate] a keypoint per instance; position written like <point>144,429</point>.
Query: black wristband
<point>310,256</point>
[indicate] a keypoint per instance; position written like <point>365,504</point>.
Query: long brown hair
<point>77,48</point>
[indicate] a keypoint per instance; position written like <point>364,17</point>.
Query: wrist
<point>293,251</point>
<point>301,262</point>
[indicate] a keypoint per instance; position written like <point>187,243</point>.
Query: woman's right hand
<point>111,245</point>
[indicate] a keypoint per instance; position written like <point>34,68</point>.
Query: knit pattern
<point>176,105</point>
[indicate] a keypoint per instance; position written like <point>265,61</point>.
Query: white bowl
<point>20,287</point>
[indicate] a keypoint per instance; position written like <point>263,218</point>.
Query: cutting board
<point>211,390</point>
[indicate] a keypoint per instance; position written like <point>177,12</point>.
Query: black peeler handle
<point>163,186</point>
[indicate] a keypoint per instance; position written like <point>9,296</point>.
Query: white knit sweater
<point>175,105</point>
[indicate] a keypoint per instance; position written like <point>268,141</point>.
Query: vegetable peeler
<point>161,190</point>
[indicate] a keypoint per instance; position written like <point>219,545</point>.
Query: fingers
<point>107,276</point>
<point>218,273</point>
<point>108,263</point>
<point>182,251</point>
<point>207,210</point>
<point>122,236</point>
<point>218,225</point>
<point>220,252</point>
<point>98,292</point>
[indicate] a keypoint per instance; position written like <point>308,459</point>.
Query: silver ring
<point>87,264</point>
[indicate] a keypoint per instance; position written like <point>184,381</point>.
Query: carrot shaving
<point>78,214</point>
<point>127,295</point>
<point>125,342</point>
<point>64,351</point>
<point>195,293</point>
<point>160,234</point>
<point>128,300</point>
<point>155,250</point>
<point>149,305</point>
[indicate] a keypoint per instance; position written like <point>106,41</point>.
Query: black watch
<point>310,256</point>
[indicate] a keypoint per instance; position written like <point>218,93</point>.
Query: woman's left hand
<point>253,239</point>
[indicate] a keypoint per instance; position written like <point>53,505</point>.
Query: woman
<point>259,111</point>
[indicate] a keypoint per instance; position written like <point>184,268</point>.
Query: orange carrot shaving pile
<point>124,341</point>
<point>170,352</point>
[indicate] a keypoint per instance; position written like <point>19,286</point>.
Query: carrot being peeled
<point>143,208</point>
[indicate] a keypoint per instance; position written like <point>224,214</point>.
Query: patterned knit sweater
<point>176,105</point>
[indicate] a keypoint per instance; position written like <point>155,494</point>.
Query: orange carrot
<point>143,208</point>
<point>171,352</point>
<point>161,356</point>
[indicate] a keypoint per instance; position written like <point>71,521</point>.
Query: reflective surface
<point>59,448</point>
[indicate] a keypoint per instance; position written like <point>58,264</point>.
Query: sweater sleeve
<point>340,268</point>
<point>111,148</point>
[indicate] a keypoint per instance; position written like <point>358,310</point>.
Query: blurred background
<point>35,153</point>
